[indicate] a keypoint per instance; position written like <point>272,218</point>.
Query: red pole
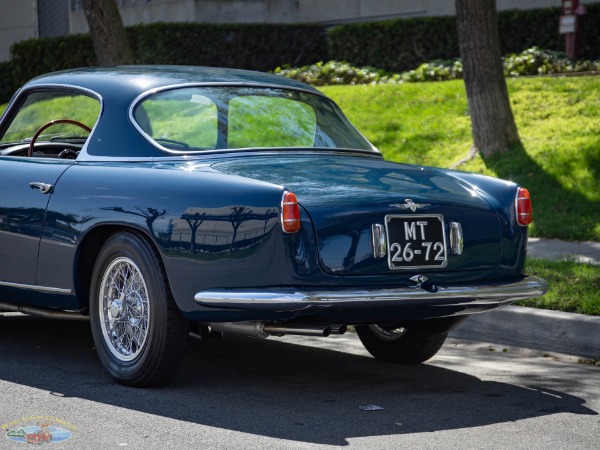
<point>571,45</point>
<point>569,8</point>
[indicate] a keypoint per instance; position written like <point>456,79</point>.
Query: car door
<point>26,186</point>
<point>41,133</point>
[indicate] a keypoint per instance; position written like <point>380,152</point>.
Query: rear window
<point>195,119</point>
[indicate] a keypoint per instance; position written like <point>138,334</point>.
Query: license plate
<point>415,242</point>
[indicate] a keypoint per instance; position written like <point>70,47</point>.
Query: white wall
<point>18,21</point>
<point>289,11</point>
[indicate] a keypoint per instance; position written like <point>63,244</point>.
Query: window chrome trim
<point>231,153</point>
<point>136,101</point>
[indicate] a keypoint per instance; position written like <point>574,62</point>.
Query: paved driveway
<point>297,393</point>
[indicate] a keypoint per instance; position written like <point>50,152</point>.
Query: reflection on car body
<point>227,201</point>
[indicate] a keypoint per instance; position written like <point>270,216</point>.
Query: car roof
<point>114,136</point>
<point>132,81</point>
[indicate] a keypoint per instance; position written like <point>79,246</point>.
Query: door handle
<point>44,188</point>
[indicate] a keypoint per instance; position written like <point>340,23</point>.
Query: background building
<point>24,19</point>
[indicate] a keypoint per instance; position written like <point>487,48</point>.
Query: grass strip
<point>574,286</point>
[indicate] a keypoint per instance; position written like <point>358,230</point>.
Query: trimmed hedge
<point>402,44</point>
<point>33,57</point>
<point>7,83</point>
<point>588,30</point>
<point>256,47</point>
<point>395,45</point>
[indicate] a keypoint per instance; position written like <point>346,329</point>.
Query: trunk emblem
<point>410,204</point>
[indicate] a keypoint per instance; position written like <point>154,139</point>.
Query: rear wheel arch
<point>88,252</point>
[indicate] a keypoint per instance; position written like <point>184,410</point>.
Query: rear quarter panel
<point>211,229</point>
<point>501,195</point>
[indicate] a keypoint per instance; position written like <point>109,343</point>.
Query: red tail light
<point>523,207</point>
<point>290,213</point>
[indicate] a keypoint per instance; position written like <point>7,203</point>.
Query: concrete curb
<point>549,331</point>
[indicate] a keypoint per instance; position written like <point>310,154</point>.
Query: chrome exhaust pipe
<point>298,329</point>
<point>262,329</point>
<point>252,329</point>
<point>338,328</point>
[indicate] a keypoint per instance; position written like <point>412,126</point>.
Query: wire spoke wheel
<point>139,332</point>
<point>124,309</point>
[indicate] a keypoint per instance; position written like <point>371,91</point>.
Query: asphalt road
<point>297,393</point>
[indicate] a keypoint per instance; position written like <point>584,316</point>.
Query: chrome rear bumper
<point>284,299</point>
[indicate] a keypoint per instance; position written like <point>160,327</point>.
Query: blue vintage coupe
<point>156,201</point>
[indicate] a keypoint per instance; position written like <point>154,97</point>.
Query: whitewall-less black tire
<point>139,333</point>
<point>400,345</point>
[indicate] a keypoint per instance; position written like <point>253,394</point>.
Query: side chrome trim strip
<point>31,287</point>
<point>290,300</point>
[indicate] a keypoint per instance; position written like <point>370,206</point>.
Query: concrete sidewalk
<point>555,249</point>
<point>548,331</point>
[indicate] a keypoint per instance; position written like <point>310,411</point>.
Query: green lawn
<point>574,287</point>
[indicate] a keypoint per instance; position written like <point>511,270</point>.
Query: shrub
<point>395,45</point>
<point>532,61</point>
<point>33,57</point>
<point>335,73</point>
<point>535,61</point>
<point>7,83</point>
<point>435,71</point>
<point>257,47</point>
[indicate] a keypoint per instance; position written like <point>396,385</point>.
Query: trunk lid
<point>346,195</point>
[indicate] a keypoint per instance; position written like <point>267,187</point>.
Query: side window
<point>43,107</point>
<point>263,121</point>
<point>179,119</point>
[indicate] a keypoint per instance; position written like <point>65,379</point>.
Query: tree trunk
<point>108,33</point>
<point>492,121</point>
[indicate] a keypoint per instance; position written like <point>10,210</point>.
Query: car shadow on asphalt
<point>273,388</point>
